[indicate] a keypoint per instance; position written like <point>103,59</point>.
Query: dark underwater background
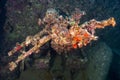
<point>18,19</point>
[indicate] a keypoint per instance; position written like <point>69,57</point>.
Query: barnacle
<point>63,34</point>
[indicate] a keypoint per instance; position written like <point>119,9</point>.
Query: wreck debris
<point>64,34</point>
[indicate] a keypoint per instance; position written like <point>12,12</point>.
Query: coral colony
<point>63,33</point>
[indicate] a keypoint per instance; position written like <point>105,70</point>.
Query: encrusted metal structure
<point>64,34</point>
